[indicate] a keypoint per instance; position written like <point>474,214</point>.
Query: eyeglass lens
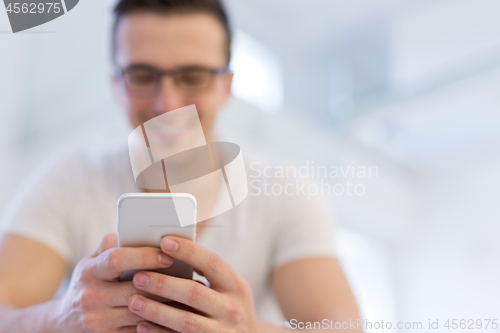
<point>147,81</point>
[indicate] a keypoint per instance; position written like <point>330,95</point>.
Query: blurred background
<point>412,87</point>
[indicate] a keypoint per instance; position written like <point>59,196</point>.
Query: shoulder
<point>76,168</point>
<point>284,189</point>
<point>281,179</point>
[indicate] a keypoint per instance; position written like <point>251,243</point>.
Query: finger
<point>148,327</point>
<point>118,293</point>
<point>184,291</point>
<point>170,317</point>
<point>114,318</point>
<point>218,272</point>
<point>203,283</point>
<point>123,316</point>
<point>110,264</point>
<point>107,242</point>
<point>184,307</point>
<point>127,329</point>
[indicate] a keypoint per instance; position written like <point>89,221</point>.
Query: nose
<point>169,96</point>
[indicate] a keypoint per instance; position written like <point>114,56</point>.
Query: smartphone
<point>145,218</point>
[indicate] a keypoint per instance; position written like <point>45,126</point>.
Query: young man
<point>266,257</point>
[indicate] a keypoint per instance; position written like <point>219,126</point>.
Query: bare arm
<point>95,300</point>
<point>36,318</point>
<point>311,290</point>
<point>30,275</point>
<point>31,272</point>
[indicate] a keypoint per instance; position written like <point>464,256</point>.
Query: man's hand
<point>95,300</point>
<point>227,306</point>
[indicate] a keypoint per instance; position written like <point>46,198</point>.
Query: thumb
<point>108,241</point>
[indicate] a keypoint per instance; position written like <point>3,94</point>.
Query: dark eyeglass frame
<point>161,73</point>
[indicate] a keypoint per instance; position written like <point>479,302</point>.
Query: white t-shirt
<point>69,204</point>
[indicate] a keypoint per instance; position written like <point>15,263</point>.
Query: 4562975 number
<point>471,324</point>
<point>34,8</point>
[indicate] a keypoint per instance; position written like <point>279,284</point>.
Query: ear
<point>114,82</point>
<point>228,82</point>
<point>117,89</point>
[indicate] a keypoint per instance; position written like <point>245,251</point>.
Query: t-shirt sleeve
<point>39,209</point>
<point>306,229</point>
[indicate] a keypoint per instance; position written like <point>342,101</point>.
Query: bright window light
<point>257,74</point>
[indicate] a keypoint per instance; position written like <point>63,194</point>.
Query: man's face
<point>170,42</point>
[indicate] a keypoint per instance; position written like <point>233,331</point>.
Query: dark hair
<point>212,7</point>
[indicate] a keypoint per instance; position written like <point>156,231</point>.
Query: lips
<point>172,128</point>
<point>170,132</point>
<point>204,170</point>
<point>35,13</point>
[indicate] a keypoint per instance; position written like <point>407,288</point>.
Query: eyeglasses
<point>145,80</point>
